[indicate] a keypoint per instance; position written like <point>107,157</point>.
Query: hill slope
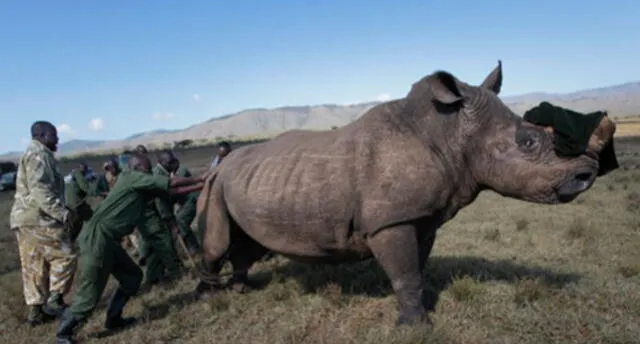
<point>620,100</point>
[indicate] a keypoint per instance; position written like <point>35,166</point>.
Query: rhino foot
<point>245,285</point>
<point>414,317</point>
<point>242,288</point>
<point>205,291</point>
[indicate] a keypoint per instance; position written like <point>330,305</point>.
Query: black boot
<point>55,305</point>
<point>114,318</point>
<point>64,334</point>
<point>36,316</point>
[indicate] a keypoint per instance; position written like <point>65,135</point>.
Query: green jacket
<point>120,211</point>
<point>101,185</point>
<point>163,203</point>
<point>182,199</point>
<point>159,207</point>
<point>39,197</point>
<point>78,190</point>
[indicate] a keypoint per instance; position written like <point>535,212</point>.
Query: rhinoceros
<point>380,186</point>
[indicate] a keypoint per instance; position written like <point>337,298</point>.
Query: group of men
<point>57,230</point>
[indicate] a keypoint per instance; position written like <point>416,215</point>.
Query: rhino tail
<point>213,219</point>
<point>202,203</point>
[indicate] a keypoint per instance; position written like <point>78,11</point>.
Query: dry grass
<point>629,127</point>
<point>502,271</point>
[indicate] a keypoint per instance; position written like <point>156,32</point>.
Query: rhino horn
<point>493,81</point>
<point>602,135</point>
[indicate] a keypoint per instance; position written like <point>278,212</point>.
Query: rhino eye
<point>527,141</point>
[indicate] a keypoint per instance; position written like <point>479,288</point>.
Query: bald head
<point>224,148</point>
<point>45,133</point>
<point>83,167</point>
<point>112,166</point>
<point>141,149</point>
<point>140,162</point>
<point>168,160</point>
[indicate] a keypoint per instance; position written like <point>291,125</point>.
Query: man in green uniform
<point>101,254</point>
<point>39,218</point>
<point>104,184</point>
<point>141,149</point>
<point>186,213</point>
<point>134,238</point>
<point>157,247</point>
<point>77,191</point>
<point>224,148</point>
<point>107,180</point>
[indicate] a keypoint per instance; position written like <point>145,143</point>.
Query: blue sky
<point>109,69</point>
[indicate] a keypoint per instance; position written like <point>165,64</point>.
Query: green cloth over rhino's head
<point>576,133</point>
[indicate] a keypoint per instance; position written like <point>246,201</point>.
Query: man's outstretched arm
<point>180,190</point>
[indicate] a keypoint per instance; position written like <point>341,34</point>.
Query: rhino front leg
<point>396,250</point>
<point>425,245</point>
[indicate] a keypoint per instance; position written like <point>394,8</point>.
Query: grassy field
<point>502,271</point>
<point>628,127</point>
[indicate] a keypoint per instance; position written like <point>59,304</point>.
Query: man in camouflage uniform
<point>157,248</point>
<point>40,219</point>
<point>101,253</point>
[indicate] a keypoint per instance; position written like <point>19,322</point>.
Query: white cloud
<point>383,97</point>
<point>96,124</point>
<point>196,97</point>
<point>160,116</point>
<point>64,128</point>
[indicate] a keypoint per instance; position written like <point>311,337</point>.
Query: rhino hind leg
<point>244,253</point>
<point>216,243</point>
<point>402,255</point>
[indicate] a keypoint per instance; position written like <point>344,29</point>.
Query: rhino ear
<point>444,87</point>
<point>493,81</point>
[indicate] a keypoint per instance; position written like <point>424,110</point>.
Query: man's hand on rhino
<point>181,181</point>
<point>181,190</point>
<point>206,175</point>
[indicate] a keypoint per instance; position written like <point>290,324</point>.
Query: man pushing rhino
<point>100,244</point>
<point>337,196</point>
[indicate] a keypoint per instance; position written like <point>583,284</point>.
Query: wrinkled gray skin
<point>381,186</point>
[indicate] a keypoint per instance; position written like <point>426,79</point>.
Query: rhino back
<point>321,192</point>
<point>299,187</point>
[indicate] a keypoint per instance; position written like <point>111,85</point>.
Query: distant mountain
<point>619,100</point>
<point>10,156</point>
<point>149,133</point>
<point>257,122</point>
<point>65,148</point>
<point>78,146</point>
